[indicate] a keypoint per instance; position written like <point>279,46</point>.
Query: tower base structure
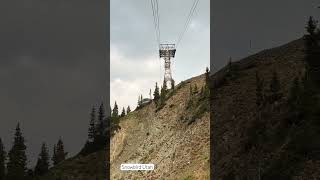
<point>167,52</point>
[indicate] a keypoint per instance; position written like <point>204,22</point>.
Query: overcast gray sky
<point>267,24</point>
<point>53,68</point>
<point>135,65</point>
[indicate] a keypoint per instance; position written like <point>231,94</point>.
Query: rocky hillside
<point>247,143</point>
<point>90,167</point>
<point>174,137</point>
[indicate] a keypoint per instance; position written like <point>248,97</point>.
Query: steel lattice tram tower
<point>167,51</point>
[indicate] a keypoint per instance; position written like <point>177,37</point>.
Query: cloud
<point>126,92</point>
<point>132,67</point>
<point>131,77</point>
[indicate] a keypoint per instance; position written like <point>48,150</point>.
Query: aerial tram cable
<point>167,51</point>
<point>156,19</point>
<point>186,25</point>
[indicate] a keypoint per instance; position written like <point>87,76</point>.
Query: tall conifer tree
<point>42,165</point>
<point>123,113</point>
<point>54,155</point>
<point>172,84</point>
<point>115,111</point>
<point>311,26</point>
<point>100,139</point>
<point>2,161</point>
<point>60,153</point>
<point>164,90</point>
<point>156,93</point>
<point>164,87</point>
<point>313,52</point>
<point>207,76</point>
<point>17,157</point>
<point>92,125</point>
<point>128,110</point>
<point>101,119</point>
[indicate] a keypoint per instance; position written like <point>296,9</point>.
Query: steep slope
<point>244,147</point>
<point>175,137</point>
<point>90,167</point>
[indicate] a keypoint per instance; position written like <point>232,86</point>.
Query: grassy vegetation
<point>87,167</point>
<point>189,177</point>
<point>198,104</point>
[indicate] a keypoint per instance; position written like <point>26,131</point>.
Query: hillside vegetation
<point>174,137</point>
<point>90,167</point>
<point>263,123</point>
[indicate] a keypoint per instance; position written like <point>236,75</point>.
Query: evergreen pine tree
<point>54,156</point>
<point>172,84</point>
<point>123,113</point>
<point>164,87</point>
<point>92,125</point>
<point>207,76</point>
<point>17,158</point>
<point>313,52</point>
<point>114,119</point>
<point>115,111</point>
<point>101,136</point>
<point>101,118</point>
<point>206,90</point>
<point>2,161</point>
<point>42,165</point>
<point>128,110</point>
<point>311,26</point>
<point>60,153</point>
<point>163,92</point>
<point>156,94</point>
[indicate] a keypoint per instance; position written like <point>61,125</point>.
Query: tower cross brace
<point>167,51</point>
